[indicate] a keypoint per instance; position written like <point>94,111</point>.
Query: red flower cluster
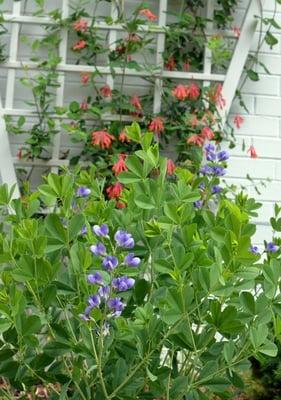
<point>238,120</point>
<point>170,167</point>
<point>114,191</point>
<point>103,139</point>
<point>156,125</point>
<point>85,79</point>
<point>148,14</point>
<point>123,137</point>
<point>81,25</point>
<point>120,165</point>
<point>106,91</point>
<point>81,44</point>
<point>182,92</point>
<point>252,151</point>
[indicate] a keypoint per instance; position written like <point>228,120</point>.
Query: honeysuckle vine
<point>189,112</point>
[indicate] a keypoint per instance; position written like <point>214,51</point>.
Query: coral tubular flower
<point>135,101</point>
<point>148,14</point>
<point>81,25</point>
<point>120,165</point>
<point>81,44</point>
<point>180,92</point>
<point>207,133</point>
<point>193,91</point>
<point>156,125</point>
<point>252,151</point>
<point>238,120</point>
<point>123,137</point>
<point>197,140</point>
<point>106,91</point>
<point>85,79</point>
<point>171,64</point>
<point>103,139</point>
<point>114,191</point>
<point>236,31</point>
<point>84,106</point>
<point>170,167</point>
<point>186,66</point>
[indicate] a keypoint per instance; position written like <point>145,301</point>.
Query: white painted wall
<point>262,125</point>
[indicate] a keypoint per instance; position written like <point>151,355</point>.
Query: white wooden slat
<point>7,171</point>
<point>112,37</point>
<point>240,55</point>
<point>210,6</point>
<point>61,80</point>
<point>119,71</point>
<point>160,48</point>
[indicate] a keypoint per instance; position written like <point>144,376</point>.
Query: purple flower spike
<point>217,170</point>
<point>209,147</point>
<point>223,155</point>
<point>198,204</point>
<point>123,283</point>
<point>101,230</point>
<point>131,260</point>
<point>116,306</point>
<point>206,170</point>
<point>211,156</point>
<point>83,191</point>
<point>124,239</point>
<point>95,279</point>
<point>254,250</point>
<point>94,301</point>
<point>216,189</point>
<point>83,230</point>
<point>98,249</point>
<point>272,247</point>
<point>109,263</point>
<point>104,292</point>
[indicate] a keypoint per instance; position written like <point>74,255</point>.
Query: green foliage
<point>201,305</point>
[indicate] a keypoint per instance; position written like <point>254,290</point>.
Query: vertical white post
<point>207,52</point>
<point>7,170</point>
<point>160,48</point>
<point>61,81</point>
<point>112,37</point>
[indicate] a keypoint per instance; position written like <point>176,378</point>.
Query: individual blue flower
<point>131,260</point>
<point>211,156</point>
<point>272,247</point>
<point>206,170</point>
<point>109,263</point>
<point>83,230</point>
<point>104,292</point>
<point>124,239</point>
<point>83,191</point>
<point>216,189</point>
<point>254,250</point>
<point>94,301</point>
<point>95,279</point>
<point>218,170</point>
<point>202,186</point>
<point>115,304</point>
<point>101,230</point>
<point>198,204</point>
<point>209,147</point>
<point>98,249</point>
<point>123,283</point>
<point>223,155</point>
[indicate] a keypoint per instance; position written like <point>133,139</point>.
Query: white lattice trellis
<point>230,80</point>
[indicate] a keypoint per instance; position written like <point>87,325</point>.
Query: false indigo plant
<point>166,298</point>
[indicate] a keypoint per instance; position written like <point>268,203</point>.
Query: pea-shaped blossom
<point>209,147</point>
<point>206,170</point>
<point>210,156</point>
<point>83,230</point>
<point>272,247</point>
<point>115,304</point>
<point>83,191</point>
<point>110,263</point>
<point>254,250</point>
<point>131,260</point>
<point>101,230</point>
<point>223,155</point>
<point>123,283</point>
<point>98,249</point>
<point>124,239</point>
<point>104,292</point>
<point>93,301</point>
<point>216,189</point>
<point>218,170</point>
<point>198,203</point>
<point>95,279</point>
